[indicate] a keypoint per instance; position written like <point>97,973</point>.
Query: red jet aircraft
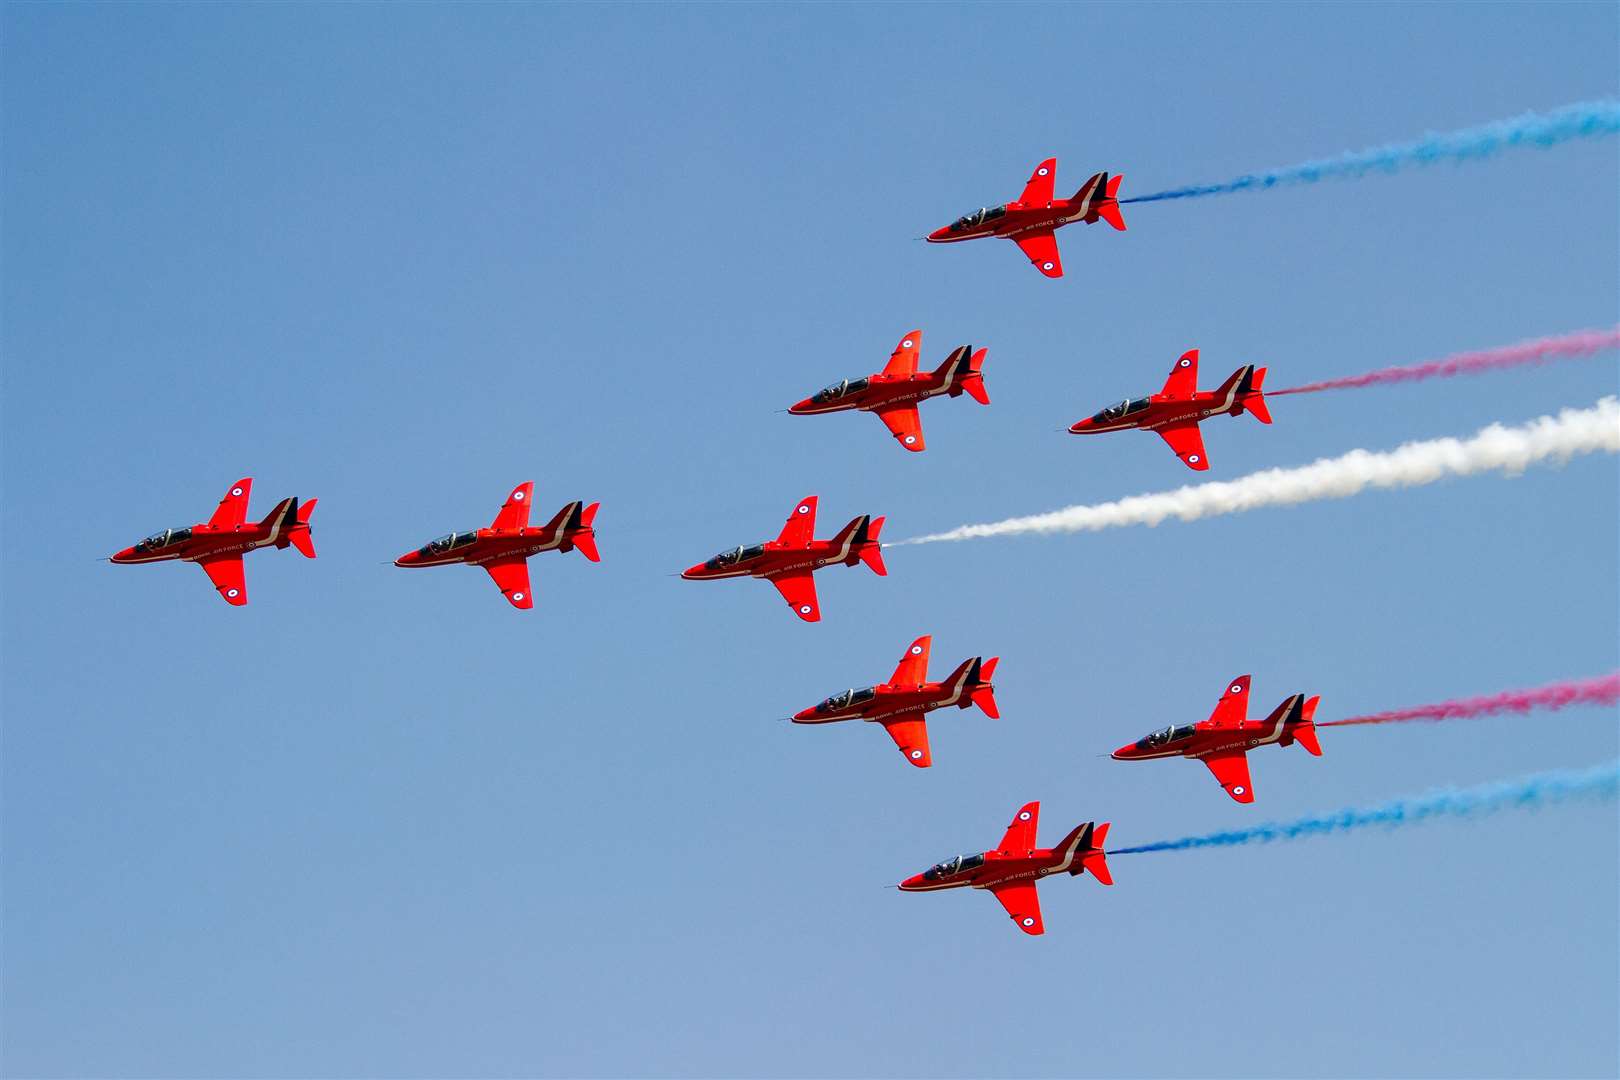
<point>1011,871</point>
<point>1174,412</point>
<point>901,703</point>
<point>893,394</point>
<point>788,561</point>
<point>1224,740</point>
<point>504,548</point>
<point>218,546</point>
<point>1030,221</point>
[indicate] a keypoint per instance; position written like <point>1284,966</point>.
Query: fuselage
<point>774,558</point>
<point>991,868</point>
<point>886,701</point>
<point>1009,220</point>
<point>198,542</point>
<point>1157,410</point>
<point>479,546</point>
<point>1202,739</point>
<point>873,392</point>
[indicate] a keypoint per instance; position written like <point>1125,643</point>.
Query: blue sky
<point>401,258</point>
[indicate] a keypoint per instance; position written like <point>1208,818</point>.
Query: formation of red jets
<point>1010,871</point>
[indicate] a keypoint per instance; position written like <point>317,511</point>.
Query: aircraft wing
<point>801,524</point>
<point>1231,769</point>
<point>225,571</point>
<point>512,578</point>
<point>1020,835</point>
<point>910,733</point>
<point>1183,380</point>
<point>1186,442</point>
<point>903,361</point>
<point>232,509</point>
<point>1038,190</point>
<point>1041,249</point>
<point>1023,903</point>
<point>913,669</point>
<point>904,424</point>
<point>514,512</point>
<point>799,590</point>
<point>1233,708</point>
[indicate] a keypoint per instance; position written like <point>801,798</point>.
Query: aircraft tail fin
<point>1233,388</point>
<point>1252,396</point>
<point>1085,847</point>
<point>298,534</point>
<point>581,531</point>
<point>283,513</point>
<point>561,519</point>
<point>984,691</point>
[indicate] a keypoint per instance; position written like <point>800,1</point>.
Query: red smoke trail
<point>1604,690</point>
<point>1539,351</point>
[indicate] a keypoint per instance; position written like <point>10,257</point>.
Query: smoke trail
<point>1541,789</point>
<point>1604,690</point>
<point>1493,449</point>
<point>1584,120</point>
<point>1580,343</point>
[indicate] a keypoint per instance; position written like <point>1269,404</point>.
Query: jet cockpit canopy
<point>734,556</point>
<point>449,541</point>
<point>1114,412</point>
<point>977,218</point>
<point>839,389</point>
<point>954,865</point>
<point>163,539</point>
<point>844,699</point>
<point>1164,737</point>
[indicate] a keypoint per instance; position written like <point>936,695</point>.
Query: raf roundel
<point>1042,171</point>
<point>233,593</point>
<point>517,596</point>
<point>1047,265</point>
<point>916,650</point>
<point>910,439</point>
<point>1238,790</point>
<point>518,495</point>
<point>804,609</point>
<point>906,344</point>
<point>1027,921</point>
<point>236,491</point>
<point>1193,459</point>
<point>916,754</point>
<point>1023,815</point>
<point>803,510</point>
<point>1236,689</point>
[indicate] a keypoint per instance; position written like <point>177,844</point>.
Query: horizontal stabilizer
<point>1254,400</point>
<point>871,552</point>
<point>973,381</point>
<point>582,532</point>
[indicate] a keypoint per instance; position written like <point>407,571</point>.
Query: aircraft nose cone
<point>121,556</point>
<point>1124,753</point>
<point>410,558</point>
<point>693,573</point>
<point>911,882</point>
<point>803,715</point>
<point>939,234</point>
<point>1080,427</point>
<point>800,408</point>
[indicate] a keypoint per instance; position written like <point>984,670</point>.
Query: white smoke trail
<point>1508,450</point>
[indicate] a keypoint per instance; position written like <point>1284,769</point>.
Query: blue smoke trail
<point>1584,120</point>
<point>1541,789</point>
